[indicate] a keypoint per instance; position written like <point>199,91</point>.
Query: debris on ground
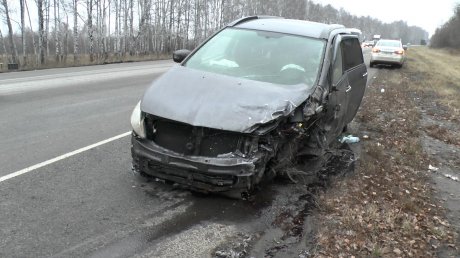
<point>349,139</point>
<point>455,178</point>
<point>432,168</point>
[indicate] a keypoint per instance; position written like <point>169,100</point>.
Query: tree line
<point>97,31</point>
<point>448,35</point>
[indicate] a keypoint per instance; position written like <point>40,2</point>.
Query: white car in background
<point>388,51</point>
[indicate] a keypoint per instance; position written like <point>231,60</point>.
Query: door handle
<point>348,88</point>
<point>365,74</point>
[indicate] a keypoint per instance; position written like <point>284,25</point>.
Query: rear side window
<point>352,54</point>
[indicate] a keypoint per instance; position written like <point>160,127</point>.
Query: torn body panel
<point>222,102</point>
<point>213,160</point>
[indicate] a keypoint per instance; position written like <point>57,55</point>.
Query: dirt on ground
<point>403,200</point>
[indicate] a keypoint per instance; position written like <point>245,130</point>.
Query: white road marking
<point>64,156</point>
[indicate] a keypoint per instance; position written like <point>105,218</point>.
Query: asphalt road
<point>90,204</point>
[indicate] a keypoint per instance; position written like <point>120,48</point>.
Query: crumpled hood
<point>218,101</point>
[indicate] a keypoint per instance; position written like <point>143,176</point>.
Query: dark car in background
<point>240,107</point>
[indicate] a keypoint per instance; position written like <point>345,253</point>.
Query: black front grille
<point>190,140</point>
<point>164,171</point>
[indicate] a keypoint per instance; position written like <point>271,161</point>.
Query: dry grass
<point>387,209</point>
<point>443,68</point>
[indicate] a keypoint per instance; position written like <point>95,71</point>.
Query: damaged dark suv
<point>254,98</point>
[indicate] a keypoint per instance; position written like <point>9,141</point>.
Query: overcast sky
<point>427,14</point>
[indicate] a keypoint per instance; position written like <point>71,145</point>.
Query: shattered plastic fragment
<point>455,178</point>
<point>431,168</point>
<point>349,139</point>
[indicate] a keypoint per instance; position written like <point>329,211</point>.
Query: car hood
<point>218,101</point>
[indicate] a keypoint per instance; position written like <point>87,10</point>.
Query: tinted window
<point>352,54</point>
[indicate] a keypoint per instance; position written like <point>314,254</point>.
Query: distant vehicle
<point>240,107</point>
<point>368,43</point>
<point>376,38</point>
<point>388,51</point>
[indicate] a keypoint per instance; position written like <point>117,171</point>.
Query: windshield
<point>261,56</point>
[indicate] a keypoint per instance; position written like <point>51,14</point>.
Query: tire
<point>371,64</point>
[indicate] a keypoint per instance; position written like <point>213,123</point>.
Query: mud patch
<point>441,140</point>
<point>286,228</point>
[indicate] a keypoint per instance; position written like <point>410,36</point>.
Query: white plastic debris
<point>366,136</point>
<point>455,178</point>
<point>431,168</point>
<point>382,90</point>
<point>349,139</point>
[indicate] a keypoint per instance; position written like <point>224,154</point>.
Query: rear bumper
<point>387,59</point>
<point>199,173</point>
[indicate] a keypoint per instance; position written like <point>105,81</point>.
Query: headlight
<point>137,121</point>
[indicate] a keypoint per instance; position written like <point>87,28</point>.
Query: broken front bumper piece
<point>205,174</point>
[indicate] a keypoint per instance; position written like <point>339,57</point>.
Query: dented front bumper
<point>209,174</point>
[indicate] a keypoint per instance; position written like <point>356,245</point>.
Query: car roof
<point>281,25</point>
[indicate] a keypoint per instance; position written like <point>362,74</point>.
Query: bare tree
<point>34,44</point>
<point>56,30</point>
<point>75,31</point>
<point>3,43</point>
<point>89,6</point>
<point>13,49</point>
<point>41,33</point>
<point>23,29</point>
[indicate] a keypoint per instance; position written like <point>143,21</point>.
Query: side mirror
<point>180,55</point>
<point>405,47</point>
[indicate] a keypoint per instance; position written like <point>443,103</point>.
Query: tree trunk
<point>14,51</point>
<point>34,44</point>
<point>75,31</point>
<point>90,29</point>
<point>41,33</point>
<point>23,33</point>
<point>56,30</point>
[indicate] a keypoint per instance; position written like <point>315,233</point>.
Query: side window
<point>337,68</point>
<point>352,54</point>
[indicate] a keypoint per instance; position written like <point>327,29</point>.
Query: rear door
<point>356,72</point>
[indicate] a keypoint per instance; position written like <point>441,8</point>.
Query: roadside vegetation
<point>84,32</point>
<point>448,35</point>
<point>389,206</point>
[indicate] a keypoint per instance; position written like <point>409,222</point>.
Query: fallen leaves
<point>388,203</point>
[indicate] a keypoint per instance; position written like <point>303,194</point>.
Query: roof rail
<point>249,18</point>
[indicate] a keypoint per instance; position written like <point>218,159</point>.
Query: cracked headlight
<point>137,121</point>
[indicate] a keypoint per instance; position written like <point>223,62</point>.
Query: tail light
<point>375,50</point>
<point>399,52</point>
